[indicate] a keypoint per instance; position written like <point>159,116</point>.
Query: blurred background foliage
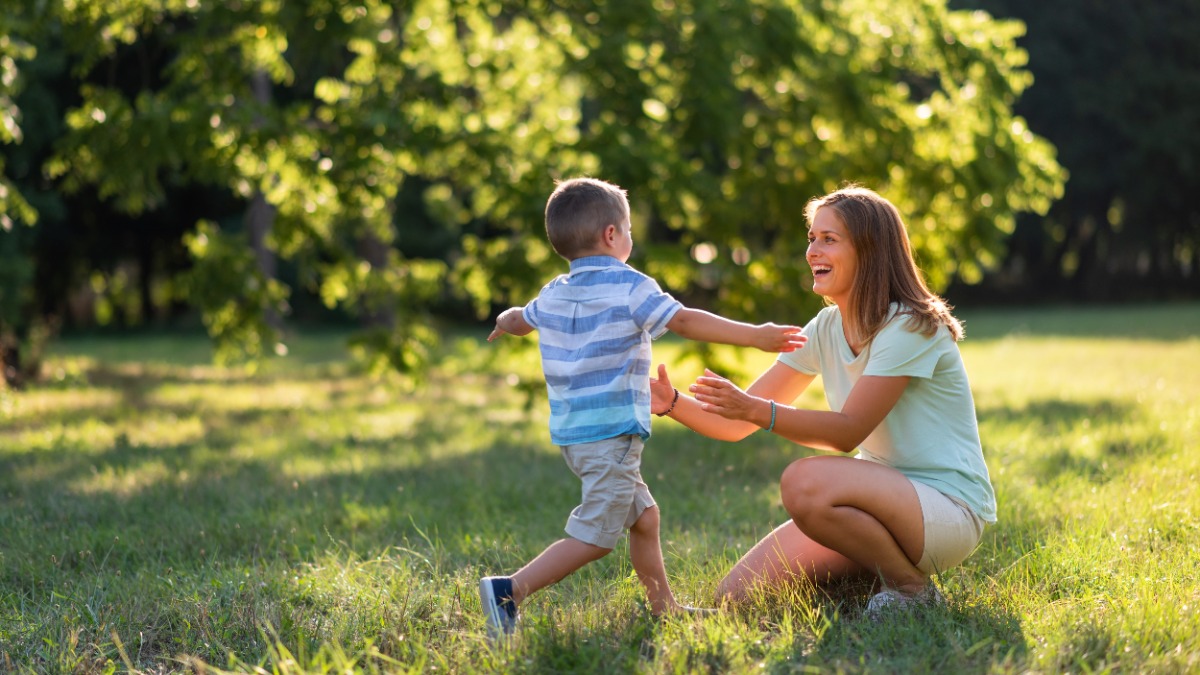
<point>1117,90</point>
<point>260,165</point>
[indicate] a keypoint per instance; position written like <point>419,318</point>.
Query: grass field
<point>161,514</point>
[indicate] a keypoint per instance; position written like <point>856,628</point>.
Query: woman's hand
<point>662,393</point>
<point>718,395</point>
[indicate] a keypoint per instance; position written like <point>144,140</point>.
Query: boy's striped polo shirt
<point>594,328</point>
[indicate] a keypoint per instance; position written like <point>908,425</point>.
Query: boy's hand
<point>661,391</point>
<point>510,321</point>
<point>772,338</point>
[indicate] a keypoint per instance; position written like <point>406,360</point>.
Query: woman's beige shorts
<point>952,530</point>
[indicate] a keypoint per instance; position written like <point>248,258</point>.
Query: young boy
<point>594,328</point>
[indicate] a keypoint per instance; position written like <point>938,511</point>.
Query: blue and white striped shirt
<point>594,328</point>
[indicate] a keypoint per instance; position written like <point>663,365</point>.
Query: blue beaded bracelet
<point>772,427</point>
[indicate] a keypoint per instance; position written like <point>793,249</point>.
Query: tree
<point>18,329</point>
<point>722,118</point>
<point>368,97</point>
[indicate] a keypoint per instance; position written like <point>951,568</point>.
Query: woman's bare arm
<point>779,382</point>
<point>872,398</point>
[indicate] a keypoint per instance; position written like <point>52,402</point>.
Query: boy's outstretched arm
<point>697,324</point>
<point>510,321</point>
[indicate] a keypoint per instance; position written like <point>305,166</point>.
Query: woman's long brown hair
<point>887,272</point>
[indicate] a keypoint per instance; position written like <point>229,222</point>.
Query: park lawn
<point>163,514</point>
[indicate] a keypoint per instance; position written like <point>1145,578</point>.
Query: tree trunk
<point>1094,282</point>
<point>10,362</point>
<point>260,215</point>
<point>377,312</point>
<point>146,279</point>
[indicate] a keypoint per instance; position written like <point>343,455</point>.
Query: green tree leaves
<point>13,50</point>
<point>407,150</point>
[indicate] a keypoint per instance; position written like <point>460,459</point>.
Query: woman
<point>914,501</point>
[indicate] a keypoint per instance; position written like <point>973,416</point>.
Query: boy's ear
<point>610,234</point>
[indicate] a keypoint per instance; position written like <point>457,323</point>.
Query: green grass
<point>162,514</point>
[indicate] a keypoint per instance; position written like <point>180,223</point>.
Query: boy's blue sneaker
<point>495,594</point>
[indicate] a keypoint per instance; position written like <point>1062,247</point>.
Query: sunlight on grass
<point>168,514</point>
<point>248,396</point>
<point>90,435</point>
<point>41,402</point>
<point>120,483</point>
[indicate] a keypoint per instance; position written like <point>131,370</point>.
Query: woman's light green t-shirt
<point>932,434</point>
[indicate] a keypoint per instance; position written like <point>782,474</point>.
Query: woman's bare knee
<point>800,488</point>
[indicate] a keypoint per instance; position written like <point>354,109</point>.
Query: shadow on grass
<point>1095,463</point>
<point>118,392</point>
<point>463,488</point>
<point>195,543</point>
<point>1056,414</point>
<point>554,644</point>
<point>1169,322</point>
<point>956,638</point>
<point>148,507</point>
<point>829,633</point>
<point>490,483</point>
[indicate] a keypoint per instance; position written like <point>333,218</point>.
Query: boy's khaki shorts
<point>614,494</point>
<point>952,530</point>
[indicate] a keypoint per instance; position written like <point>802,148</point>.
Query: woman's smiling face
<point>831,256</point>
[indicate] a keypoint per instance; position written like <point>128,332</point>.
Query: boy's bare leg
<point>555,563</point>
<point>645,551</point>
